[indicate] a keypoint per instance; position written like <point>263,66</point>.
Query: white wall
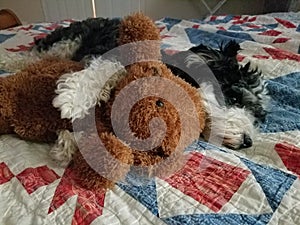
<point>117,8</point>
<point>54,10</point>
<point>154,8</point>
<point>185,9</point>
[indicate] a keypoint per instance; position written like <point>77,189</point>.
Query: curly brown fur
<point>140,116</point>
<point>26,101</point>
<point>93,180</point>
<point>137,27</point>
<point>133,29</point>
<point>148,109</point>
<point>144,36</point>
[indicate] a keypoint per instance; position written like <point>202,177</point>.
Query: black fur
<point>98,35</point>
<point>240,86</point>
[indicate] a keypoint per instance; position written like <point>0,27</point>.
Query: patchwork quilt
<point>259,185</point>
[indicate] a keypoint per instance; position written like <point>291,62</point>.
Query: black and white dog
<point>243,89</point>
<point>93,37</point>
<point>240,85</point>
<point>80,41</point>
<point>241,93</point>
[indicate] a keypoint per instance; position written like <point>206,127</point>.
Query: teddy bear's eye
<point>159,103</point>
<point>155,71</point>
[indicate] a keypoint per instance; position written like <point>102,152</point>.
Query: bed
<point>259,185</point>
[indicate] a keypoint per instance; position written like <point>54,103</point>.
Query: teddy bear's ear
<point>140,38</point>
<point>80,91</point>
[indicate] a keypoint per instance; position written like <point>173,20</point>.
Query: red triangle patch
<point>89,204</point>
<point>282,54</point>
<point>281,40</point>
<point>271,33</point>
<point>290,156</point>
<point>209,181</point>
<point>286,23</point>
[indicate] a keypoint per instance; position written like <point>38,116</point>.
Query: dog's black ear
<point>200,48</point>
<point>245,68</point>
<point>230,49</point>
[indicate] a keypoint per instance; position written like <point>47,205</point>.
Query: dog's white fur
<point>239,123</point>
<point>15,61</point>
<point>229,125</point>
<point>80,91</point>
<point>64,148</point>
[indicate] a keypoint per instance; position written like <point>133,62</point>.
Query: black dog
<point>240,85</point>
<point>94,37</point>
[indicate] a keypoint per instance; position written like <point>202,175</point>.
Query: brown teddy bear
<point>165,96</point>
<point>139,116</point>
<point>26,101</point>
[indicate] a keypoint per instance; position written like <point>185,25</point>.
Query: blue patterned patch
<point>298,28</point>
<point>275,183</point>
<point>284,113</point>
<point>271,26</point>
<point>41,28</point>
<point>257,29</point>
<point>219,219</point>
<point>170,22</point>
<point>213,40</point>
<point>236,35</point>
<point>4,37</point>
<point>202,145</point>
<point>235,28</point>
<point>144,194</point>
<point>164,46</point>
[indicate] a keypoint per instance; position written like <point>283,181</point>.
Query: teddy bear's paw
<point>64,148</point>
<point>69,99</point>
<point>78,92</point>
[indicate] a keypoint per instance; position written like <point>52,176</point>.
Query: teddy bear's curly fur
<point>26,100</point>
<point>140,116</point>
<point>26,109</point>
<point>138,28</point>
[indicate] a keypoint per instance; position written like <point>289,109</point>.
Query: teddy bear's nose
<point>159,103</point>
